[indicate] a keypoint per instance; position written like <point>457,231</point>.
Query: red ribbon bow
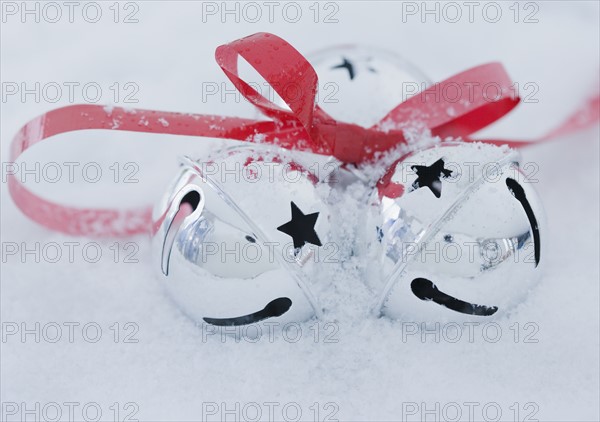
<point>305,126</point>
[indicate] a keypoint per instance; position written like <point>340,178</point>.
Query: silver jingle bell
<point>235,236</point>
<point>361,85</point>
<point>457,233</point>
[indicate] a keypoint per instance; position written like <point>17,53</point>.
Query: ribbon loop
<point>460,105</point>
<point>283,67</point>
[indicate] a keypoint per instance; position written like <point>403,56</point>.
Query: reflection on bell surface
<point>456,234</point>
<point>360,84</point>
<point>234,236</point>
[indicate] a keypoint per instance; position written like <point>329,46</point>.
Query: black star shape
<point>346,64</point>
<point>430,176</point>
<point>301,228</point>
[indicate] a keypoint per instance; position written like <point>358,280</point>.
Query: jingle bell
<point>234,237</point>
<point>361,85</point>
<point>457,233</point>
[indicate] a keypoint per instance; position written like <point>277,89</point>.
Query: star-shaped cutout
<point>346,64</point>
<point>430,176</point>
<point>301,228</point>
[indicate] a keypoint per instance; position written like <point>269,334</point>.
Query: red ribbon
<point>480,96</point>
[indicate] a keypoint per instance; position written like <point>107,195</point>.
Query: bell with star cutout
<point>237,238</point>
<point>362,84</point>
<point>456,234</point>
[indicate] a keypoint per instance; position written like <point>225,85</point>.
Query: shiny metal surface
<point>226,262</point>
<point>475,244</point>
<point>361,84</point>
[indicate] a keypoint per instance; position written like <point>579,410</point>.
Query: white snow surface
<point>373,369</point>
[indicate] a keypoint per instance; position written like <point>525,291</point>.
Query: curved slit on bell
<point>517,190</point>
<point>192,199</point>
<point>273,309</point>
<point>426,290</point>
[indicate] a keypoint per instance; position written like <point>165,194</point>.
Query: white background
<point>371,373</point>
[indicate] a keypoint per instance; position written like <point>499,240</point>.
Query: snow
<point>349,365</point>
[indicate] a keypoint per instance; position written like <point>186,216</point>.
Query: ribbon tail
<point>586,116</point>
<point>117,222</point>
